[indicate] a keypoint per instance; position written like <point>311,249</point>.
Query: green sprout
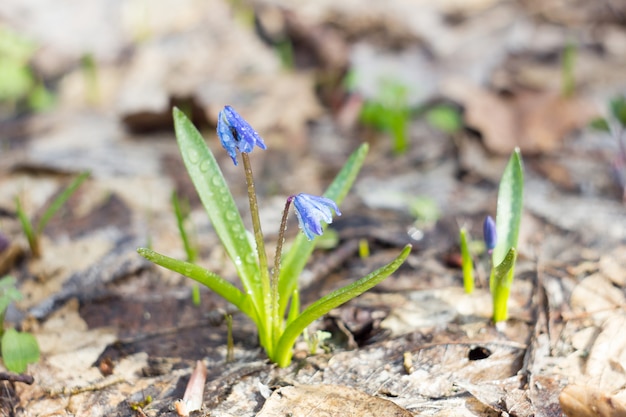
<point>444,118</point>
<point>507,225</point>
<point>18,84</point>
<point>18,348</point>
<point>390,112</point>
<point>269,298</point>
<point>33,234</point>
<point>467,264</point>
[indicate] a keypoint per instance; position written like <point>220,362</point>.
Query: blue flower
<point>236,134</point>
<point>311,210</point>
<point>489,233</point>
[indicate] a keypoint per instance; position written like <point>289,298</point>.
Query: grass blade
<point>215,195</point>
<point>60,200</point>
<point>327,303</point>
<point>295,260</point>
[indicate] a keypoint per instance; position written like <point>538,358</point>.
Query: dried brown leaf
<point>328,400</point>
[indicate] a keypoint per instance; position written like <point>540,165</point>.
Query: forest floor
<point>120,336</point>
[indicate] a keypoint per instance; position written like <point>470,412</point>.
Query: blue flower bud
<point>489,233</point>
<point>311,210</point>
<point>236,134</point>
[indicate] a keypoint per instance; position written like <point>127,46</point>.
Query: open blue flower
<point>489,233</point>
<point>236,134</point>
<point>311,210</point>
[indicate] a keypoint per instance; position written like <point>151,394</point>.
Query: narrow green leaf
<point>618,109</point>
<point>60,200</point>
<point>295,260</point>
<point>211,280</point>
<point>180,215</point>
<point>18,350</point>
<point>27,227</point>
<point>215,195</point>
<point>466,263</point>
<point>330,301</point>
<point>500,285</point>
<point>510,200</point>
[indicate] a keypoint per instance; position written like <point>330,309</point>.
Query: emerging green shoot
<point>33,234</point>
<point>568,63</point>
<point>467,264</point>
<point>508,219</point>
<point>390,112</point>
<point>266,296</point>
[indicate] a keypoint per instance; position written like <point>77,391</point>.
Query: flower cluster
<point>237,135</point>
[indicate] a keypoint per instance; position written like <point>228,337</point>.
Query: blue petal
<point>311,210</point>
<point>226,136</point>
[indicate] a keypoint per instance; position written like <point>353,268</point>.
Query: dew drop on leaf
<point>193,156</point>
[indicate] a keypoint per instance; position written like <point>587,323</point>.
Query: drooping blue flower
<point>489,233</point>
<point>311,210</point>
<point>236,134</point>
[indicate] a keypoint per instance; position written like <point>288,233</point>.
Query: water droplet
<point>238,261</point>
<point>231,215</point>
<point>204,166</point>
<point>216,180</point>
<point>193,156</point>
<point>250,258</point>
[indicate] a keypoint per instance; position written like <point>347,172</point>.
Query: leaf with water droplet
<point>218,202</point>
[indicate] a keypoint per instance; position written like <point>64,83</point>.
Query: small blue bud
<point>311,210</point>
<point>236,134</point>
<point>489,233</point>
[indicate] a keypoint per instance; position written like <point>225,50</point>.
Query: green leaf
<point>60,200</point>
<point>322,306</point>
<point>500,285</point>
<point>215,195</point>
<point>27,228</point>
<point>510,201</point>
<point>295,260</point>
<point>18,350</point>
<point>211,280</point>
<point>600,124</point>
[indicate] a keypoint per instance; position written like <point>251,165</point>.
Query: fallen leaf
<point>328,400</point>
<point>535,121</point>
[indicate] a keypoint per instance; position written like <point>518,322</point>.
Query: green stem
<point>276,319</point>
<point>260,247</point>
